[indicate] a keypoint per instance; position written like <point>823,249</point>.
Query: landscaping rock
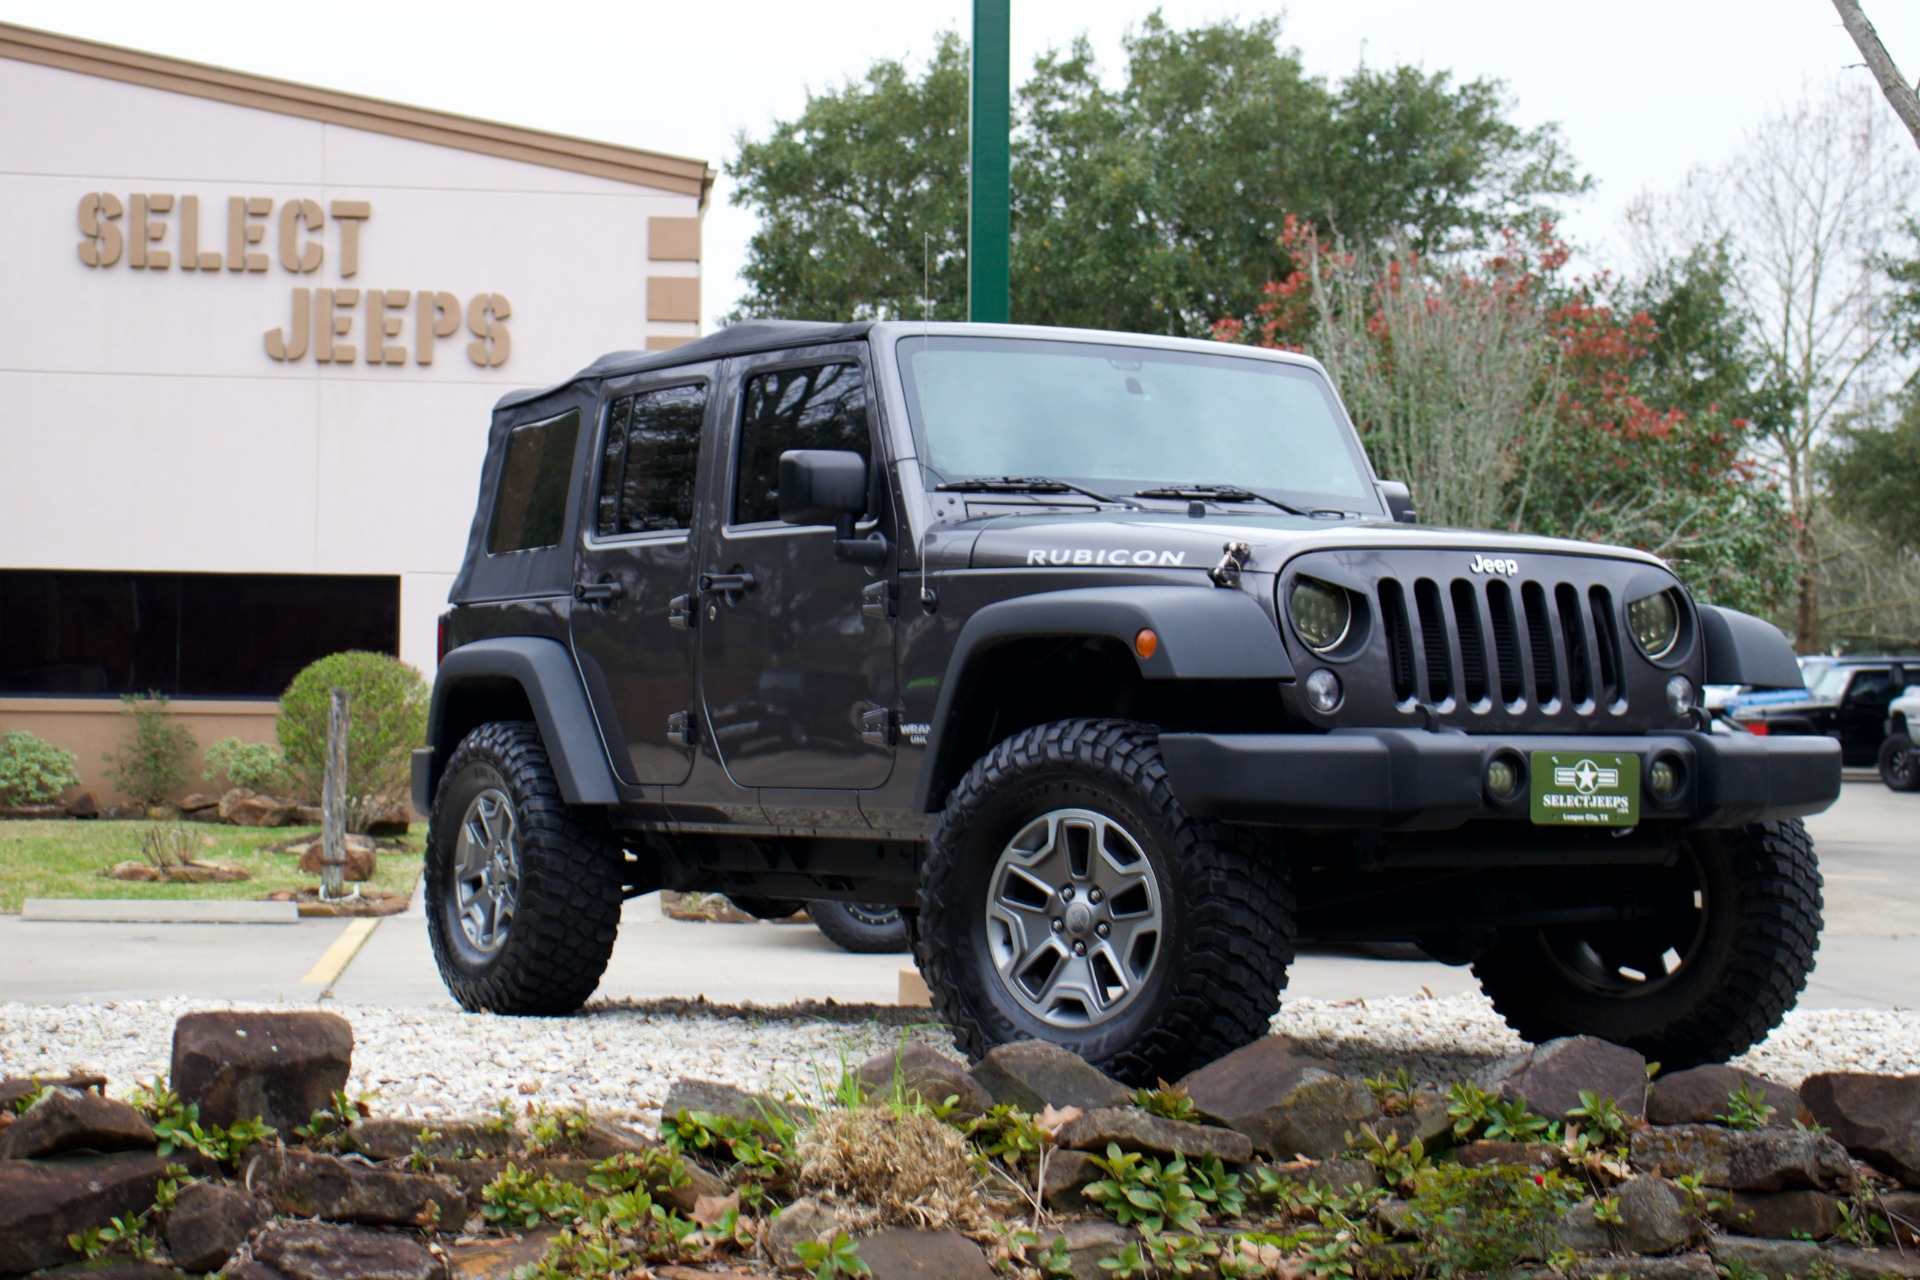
<point>1688,1266</point>
<point>929,1073</point>
<point>1781,1215</point>
<point>315,1251</point>
<point>1032,1075</point>
<point>15,1088</point>
<point>1794,1259</point>
<point>1134,1130</point>
<point>807,1218</point>
<point>1428,1121</point>
<point>42,1202</point>
<point>900,1253</point>
<point>112,1268</point>
<point>1578,1229</point>
<point>257,811</point>
<point>209,1221</point>
<point>1701,1095</point>
<point>1531,1155</point>
<point>161,813</point>
<point>83,806</point>
<point>123,812</point>
<point>1761,1160</point>
<point>717,1099</point>
<point>497,1259</point>
<point>1087,1243</point>
<point>390,1139</point>
<point>310,1185</point>
<point>73,1120</point>
<point>361,860</point>
<point>1875,1117</point>
<point>1394,1218</point>
<point>1903,1215</point>
<point>1289,1102</point>
<point>1651,1218</point>
<point>281,1067</point>
<point>198,802</point>
<point>1330,1175</point>
<point>1068,1174</point>
<point>307,815</point>
<point>1550,1076</point>
<point>134,872</point>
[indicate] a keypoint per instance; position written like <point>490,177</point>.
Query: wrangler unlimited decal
<point>1117,555</point>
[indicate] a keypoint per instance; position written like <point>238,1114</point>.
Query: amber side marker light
<point>1146,644</point>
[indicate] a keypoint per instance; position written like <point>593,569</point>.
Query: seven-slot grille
<point>1474,642</point>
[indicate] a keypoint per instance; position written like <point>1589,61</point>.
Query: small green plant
<point>1010,1136</point>
<point>1396,1094</point>
<point>521,1199</point>
<point>1397,1164</point>
<point>420,1158</point>
<point>1181,1255</point>
<point>167,1192</point>
<point>657,1170</point>
<point>837,1258</point>
<point>27,1101</point>
<point>1484,1220</point>
<point>760,1148</point>
<point>1125,1264</point>
<point>549,1129</point>
<point>122,1235</point>
<point>177,1126</point>
<point>1700,1200</point>
<point>503,1118</point>
<point>1467,1107</point>
<point>1747,1108</point>
<point>339,1115</point>
<point>1606,1211</point>
<point>1141,1191</point>
<point>1604,1117</point>
<point>1861,1222</point>
<point>1169,1101</point>
<point>255,766</point>
<point>1510,1121</point>
<point>33,771</point>
<point>386,717</point>
<point>153,759</point>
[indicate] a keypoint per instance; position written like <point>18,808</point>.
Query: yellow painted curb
<point>333,962</point>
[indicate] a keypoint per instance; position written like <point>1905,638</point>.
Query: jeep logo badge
<point>1487,564</point>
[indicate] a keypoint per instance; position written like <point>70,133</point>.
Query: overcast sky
<point>1644,90</point>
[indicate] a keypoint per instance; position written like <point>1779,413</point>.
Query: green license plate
<point>1585,789</point>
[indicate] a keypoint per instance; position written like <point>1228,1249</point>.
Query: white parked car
<point>1899,757</point>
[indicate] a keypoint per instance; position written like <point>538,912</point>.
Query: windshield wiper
<point>1029,484</point>
<point>1216,493</point>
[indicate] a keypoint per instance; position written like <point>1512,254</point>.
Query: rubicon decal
<point>1107,555</point>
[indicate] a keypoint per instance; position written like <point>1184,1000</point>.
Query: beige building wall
<point>177,416</point>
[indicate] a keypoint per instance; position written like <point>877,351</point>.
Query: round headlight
<point>1655,623</point>
<point>1321,614</point>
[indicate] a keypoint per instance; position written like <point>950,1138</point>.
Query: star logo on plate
<point>1586,777</point>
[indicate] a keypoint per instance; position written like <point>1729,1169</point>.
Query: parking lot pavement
<point>1869,957</point>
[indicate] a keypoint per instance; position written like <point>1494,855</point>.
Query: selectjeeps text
<point>1109,659</point>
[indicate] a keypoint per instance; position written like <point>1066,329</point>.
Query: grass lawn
<point>64,858</point>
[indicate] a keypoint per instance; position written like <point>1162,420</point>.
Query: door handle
<point>728,583</point>
<point>599,592</point>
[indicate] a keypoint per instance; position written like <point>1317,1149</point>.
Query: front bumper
<point>1417,780</point>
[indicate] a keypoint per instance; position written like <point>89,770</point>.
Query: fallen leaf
<point>1054,1119</point>
<point>707,1210</point>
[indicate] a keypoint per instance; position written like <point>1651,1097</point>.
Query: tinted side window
<point>818,407</point>
<point>530,505</point>
<point>647,461</point>
<point>1868,687</point>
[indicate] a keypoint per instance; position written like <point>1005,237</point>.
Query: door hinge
<point>680,613</point>
<point>680,729</point>
<point>879,599</point>
<point>876,727</point>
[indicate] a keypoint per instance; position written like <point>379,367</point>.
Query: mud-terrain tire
<point>1748,903</point>
<point>1214,905</point>
<point>1900,763</point>
<point>865,928</point>
<point>563,864</point>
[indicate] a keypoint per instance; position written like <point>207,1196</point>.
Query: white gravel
<point>621,1060</point>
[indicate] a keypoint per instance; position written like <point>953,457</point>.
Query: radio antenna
<point>919,447</point>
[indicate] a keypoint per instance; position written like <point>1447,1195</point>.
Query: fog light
<point>1323,691</point>
<point>1503,779</point>
<point>1664,778</point>
<point>1680,695</point>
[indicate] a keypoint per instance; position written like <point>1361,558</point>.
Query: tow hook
<point>1227,572</point>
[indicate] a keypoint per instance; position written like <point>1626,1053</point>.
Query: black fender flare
<point>1743,649</point>
<point>545,672</point>
<point>1205,633</point>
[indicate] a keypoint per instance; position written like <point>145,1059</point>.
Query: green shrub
<point>257,766</point>
<point>33,771</point>
<point>153,760</point>
<point>387,719</point>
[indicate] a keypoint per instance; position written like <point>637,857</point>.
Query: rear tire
<point>1184,932</point>
<point>1704,978</point>
<point>1900,763</point>
<point>865,928</point>
<point>523,891</point>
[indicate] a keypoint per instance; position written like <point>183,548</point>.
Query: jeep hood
<point>1143,539</point>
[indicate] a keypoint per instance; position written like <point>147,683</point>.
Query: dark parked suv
<point>1848,701</point>
<point>1110,659</point>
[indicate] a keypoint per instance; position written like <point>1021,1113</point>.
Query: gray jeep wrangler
<point>1110,660</point>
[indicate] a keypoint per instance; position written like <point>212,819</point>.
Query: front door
<point>796,646</point>
<point>634,582</point>
<point>1863,714</point>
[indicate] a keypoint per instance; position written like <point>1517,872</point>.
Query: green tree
<point>386,719</point>
<point>1155,206</point>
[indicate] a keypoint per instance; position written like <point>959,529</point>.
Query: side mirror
<point>1399,501</point>
<point>829,486</point>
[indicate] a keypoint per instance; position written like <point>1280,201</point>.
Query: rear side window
<point>530,504</point>
<point>648,461</point>
<point>817,407</point>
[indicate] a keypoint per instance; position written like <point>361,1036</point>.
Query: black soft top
<point>736,339</point>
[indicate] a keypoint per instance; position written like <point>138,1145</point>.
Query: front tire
<point>1704,976</point>
<point>865,928</point>
<point>1900,763</point>
<point>523,891</point>
<point>1067,896</point>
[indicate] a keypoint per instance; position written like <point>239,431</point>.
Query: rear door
<point>796,665</point>
<point>1863,714</point>
<point>634,579</point>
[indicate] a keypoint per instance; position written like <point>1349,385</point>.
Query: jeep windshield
<point>1124,419</point>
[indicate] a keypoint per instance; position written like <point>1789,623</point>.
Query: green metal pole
<point>989,221</point>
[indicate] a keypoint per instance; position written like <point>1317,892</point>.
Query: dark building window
<point>188,635</point>
<point>822,407</point>
<point>530,506</point>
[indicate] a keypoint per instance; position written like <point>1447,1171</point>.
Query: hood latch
<point>1234,559</point>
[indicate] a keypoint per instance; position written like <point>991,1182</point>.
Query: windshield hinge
<point>876,727</point>
<point>1234,558</point>
<point>879,599</point>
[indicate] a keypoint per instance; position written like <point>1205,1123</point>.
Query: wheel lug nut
<point>1066,893</point>
<point>1103,928</point>
<point>1058,924</point>
<point>1093,896</point>
<point>1079,948</point>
